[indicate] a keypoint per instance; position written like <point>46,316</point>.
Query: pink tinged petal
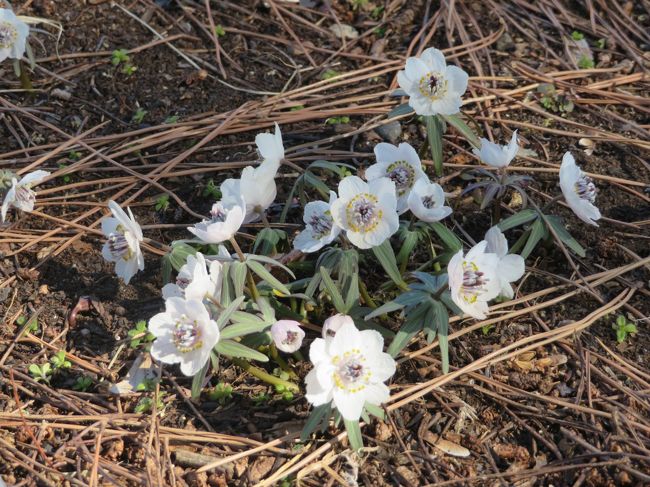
<point>346,338</point>
<point>349,405</point>
<point>434,59</point>
<point>33,178</point>
<point>287,335</point>
<point>334,323</point>
<point>163,350</point>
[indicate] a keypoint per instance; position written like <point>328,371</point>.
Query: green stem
<point>434,255</point>
<point>366,297</point>
<point>262,375</point>
<point>280,361</point>
<point>249,277</point>
<point>434,134</point>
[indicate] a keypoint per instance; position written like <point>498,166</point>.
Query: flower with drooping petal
<point>496,155</point>
<point>184,333</point>
<point>401,164</point>
<point>195,280</point>
<point>334,324</point>
<point>20,194</point>
<point>510,267</point>
<point>579,190</point>
<point>433,87</point>
<point>270,146</point>
<point>320,229</point>
<point>473,280</point>
<point>123,242</point>
<point>427,201</point>
<point>349,370</point>
<point>225,219</point>
<point>287,335</point>
<point>13,35</point>
<point>256,186</point>
<point>366,211</point>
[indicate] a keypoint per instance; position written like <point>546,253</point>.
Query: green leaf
<point>537,232</point>
<point>434,135</point>
<point>460,125</point>
<point>198,379</point>
<point>400,110</point>
<point>376,411</point>
<point>411,239</point>
<point>265,275</point>
<point>166,268</point>
<point>244,326</point>
<point>519,218</point>
<point>386,258</point>
<point>620,335</point>
<point>441,316</point>
<point>412,325</point>
<point>225,315</point>
<point>179,253</point>
<point>565,236</point>
<point>317,184</point>
<point>231,348</point>
<point>268,260</point>
<point>621,320</point>
<point>267,241</point>
<point>448,238</point>
<point>238,276</point>
<point>318,415</point>
<point>354,434</point>
<point>332,290</point>
<point>35,370</point>
<point>388,307</point>
<point>630,328</point>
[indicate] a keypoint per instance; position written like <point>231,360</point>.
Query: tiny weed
<point>172,119</point>
<point>221,393</point>
<point>337,120</point>
<point>41,372</point>
<point>211,190</point>
<point>66,177</point>
<point>329,74</point>
<point>623,328</point>
<point>219,30</point>
<point>59,361</point>
<point>73,155</point>
<point>139,334</point>
<point>586,62</point>
<point>577,36</point>
<point>162,203</point>
<point>119,56</point>
<point>600,43</point>
<point>145,404</point>
<point>83,383</point>
<point>139,115</point>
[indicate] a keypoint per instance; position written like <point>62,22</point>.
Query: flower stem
<point>249,277</point>
<point>366,297</point>
<point>434,134</point>
<point>280,361</point>
<point>265,376</point>
<point>434,255</point>
<point>265,220</point>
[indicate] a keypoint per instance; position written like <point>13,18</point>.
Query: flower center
<point>351,374</point>
<point>24,194</point>
<point>218,213</point>
<point>118,245</point>
<point>433,85</point>
<point>8,35</point>
<point>402,174</point>
<point>428,202</point>
<point>290,339</point>
<point>586,189</point>
<point>187,335</point>
<point>321,225</point>
<point>474,282</point>
<point>363,213</point>
<point>182,282</point>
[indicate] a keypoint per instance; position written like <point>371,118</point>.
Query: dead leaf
<point>446,446</point>
<point>511,452</point>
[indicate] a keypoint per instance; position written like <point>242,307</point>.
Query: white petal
<point>349,405</point>
<point>511,267</point>
<point>346,338</point>
<point>386,153</point>
<point>318,352</point>
<point>449,105</point>
<point>496,242</point>
<point>316,394</point>
<point>457,80</point>
<point>351,186</point>
<point>434,59</point>
<point>415,69</point>
<point>376,394</point>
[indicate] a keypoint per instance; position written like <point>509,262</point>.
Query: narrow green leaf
<point>241,329</point>
<point>166,269</point>
<point>388,307</point>
<point>434,135</point>
<point>332,290</point>
<point>317,184</point>
<point>448,238</point>
<point>265,275</point>
<point>408,244</point>
<point>412,325</point>
<point>376,411</point>
<point>238,276</point>
<point>400,110</point>
<point>537,232</point>
<point>198,379</point>
<point>231,348</point>
<point>518,219</point>
<point>224,316</point>
<point>354,434</point>
<point>179,253</point>
<point>386,258</point>
<point>565,236</point>
<point>315,419</point>
<point>460,125</point>
<point>441,316</point>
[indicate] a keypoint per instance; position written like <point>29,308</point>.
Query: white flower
<point>287,335</point>
<point>195,281</point>
<point>427,201</point>
<point>433,87</point>
<point>13,35</point>
<point>496,155</point>
<point>256,186</point>
<point>366,211</point>
<point>320,228</point>
<point>510,267</point>
<point>123,242</point>
<point>184,334</point>
<point>401,164</point>
<point>473,280</point>
<point>349,370</point>
<point>225,219</point>
<point>20,195</point>
<point>270,146</point>
<point>334,324</point>
<point>579,190</point>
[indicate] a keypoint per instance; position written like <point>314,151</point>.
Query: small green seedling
<point>129,69</point>
<point>83,383</point>
<point>359,4</point>
<point>337,120</point>
<point>377,13</point>
<point>59,361</point>
<point>219,30</point>
<point>586,62</point>
<point>296,108</point>
<point>139,115</point>
<point>623,328</point>
<point>65,178</point>
<point>73,155</point>
<point>119,56</point>
<point>211,190</point>
<point>261,398</point>
<point>286,394</point>
<point>577,36</point>
<point>221,393</point>
<point>41,372</point>
<point>600,43</point>
<point>146,404</point>
<point>172,119</point>
<point>162,203</point>
<point>139,334</point>
<point>486,329</point>
<point>147,385</point>
<point>329,74</point>
<point>32,327</point>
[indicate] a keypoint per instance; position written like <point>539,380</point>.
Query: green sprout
<point>221,393</point>
<point>329,74</point>
<point>172,119</point>
<point>139,334</point>
<point>83,383</point>
<point>623,328</point>
<point>41,372</point>
<point>337,120</point>
<point>261,398</point>
<point>147,385</point>
<point>380,31</point>
<point>119,56</point>
<point>32,327</point>
<point>129,69</point>
<point>66,177</point>
<point>219,30</point>
<point>145,404</point>
<point>377,12</point>
<point>211,190</point>
<point>577,36</point>
<point>59,361</point>
<point>600,43</point>
<point>586,62</point>
<point>296,108</point>
<point>162,202</point>
<point>486,329</point>
<point>73,155</point>
<point>139,115</point>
